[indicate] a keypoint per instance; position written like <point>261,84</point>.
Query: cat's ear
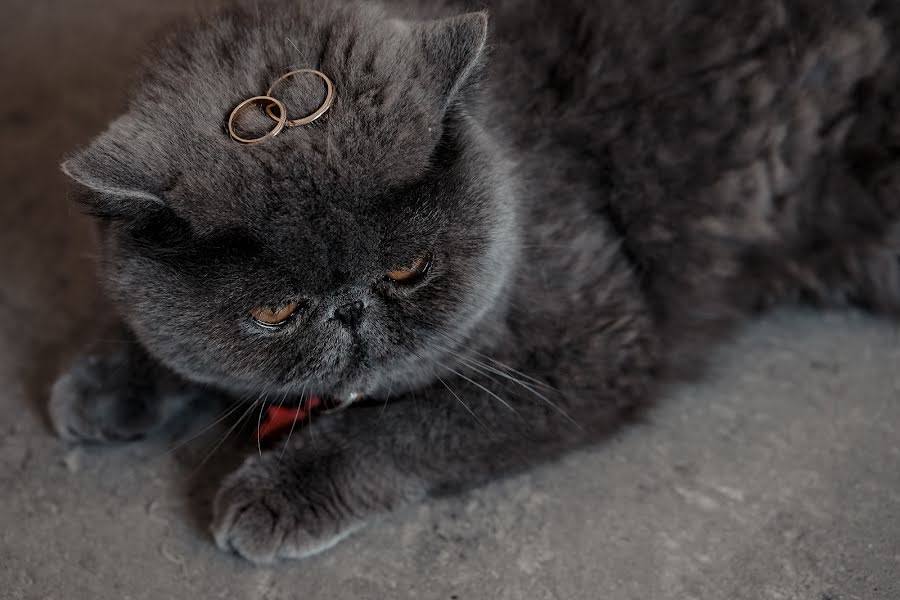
<point>123,168</point>
<point>454,50</point>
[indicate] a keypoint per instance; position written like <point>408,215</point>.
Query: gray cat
<point>507,232</point>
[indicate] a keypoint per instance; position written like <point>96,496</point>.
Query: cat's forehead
<point>287,185</point>
<point>379,131</point>
<point>393,82</point>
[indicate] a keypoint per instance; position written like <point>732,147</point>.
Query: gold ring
<point>282,120</point>
<point>329,97</point>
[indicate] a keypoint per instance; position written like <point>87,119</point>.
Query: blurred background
<point>777,477</point>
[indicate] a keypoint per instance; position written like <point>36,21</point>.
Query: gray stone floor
<point>778,477</point>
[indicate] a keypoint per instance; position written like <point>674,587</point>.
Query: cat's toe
<point>89,403</point>
<point>263,514</point>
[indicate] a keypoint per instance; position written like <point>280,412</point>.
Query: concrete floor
<point>779,477</point>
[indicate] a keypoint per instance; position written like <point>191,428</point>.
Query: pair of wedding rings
<point>277,111</point>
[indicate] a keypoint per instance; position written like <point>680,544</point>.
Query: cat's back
<point>683,76</point>
<point>573,64</point>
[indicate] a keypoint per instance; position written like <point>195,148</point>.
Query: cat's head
<point>344,257</point>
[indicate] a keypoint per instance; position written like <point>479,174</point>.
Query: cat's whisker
<point>460,400</point>
<point>294,44</point>
<point>262,407</point>
<point>228,433</point>
<point>480,364</point>
<point>281,404</point>
<point>483,388</point>
<point>312,434</point>
<point>386,398</point>
<point>482,367</point>
<point>284,396</point>
<point>477,368</point>
<point>453,393</point>
<point>231,409</point>
<point>503,365</point>
<point>293,425</point>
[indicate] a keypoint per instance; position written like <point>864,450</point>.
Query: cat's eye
<point>271,318</point>
<point>413,273</point>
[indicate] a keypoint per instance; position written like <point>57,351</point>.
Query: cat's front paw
<point>96,400</point>
<point>269,509</point>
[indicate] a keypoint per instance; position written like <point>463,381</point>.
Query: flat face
<point>333,258</point>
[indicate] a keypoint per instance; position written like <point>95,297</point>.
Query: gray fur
<point>605,188</point>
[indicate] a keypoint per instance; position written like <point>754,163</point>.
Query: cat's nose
<point>350,314</point>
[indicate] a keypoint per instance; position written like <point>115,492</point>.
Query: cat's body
<point>602,190</point>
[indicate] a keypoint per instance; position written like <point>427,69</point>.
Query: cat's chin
<point>337,403</point>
